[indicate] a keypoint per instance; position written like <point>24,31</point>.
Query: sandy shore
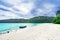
<point>39,32</point>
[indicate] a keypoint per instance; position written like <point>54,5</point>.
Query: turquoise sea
<point>14,26</point>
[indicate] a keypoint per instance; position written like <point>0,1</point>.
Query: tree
<point>57,18</point>
<point>58,12</point>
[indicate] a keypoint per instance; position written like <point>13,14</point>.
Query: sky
<point>16,9</point>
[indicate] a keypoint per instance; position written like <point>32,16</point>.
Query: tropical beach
<point>29,19</point>
<point>45,31</point>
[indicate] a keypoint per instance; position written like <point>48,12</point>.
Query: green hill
<point>39,19</point>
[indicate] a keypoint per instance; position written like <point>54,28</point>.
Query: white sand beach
<point>44,31</point>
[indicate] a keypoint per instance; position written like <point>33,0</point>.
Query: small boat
<point>22,26</point>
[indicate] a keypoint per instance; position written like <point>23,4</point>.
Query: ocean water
<point>14,26</point>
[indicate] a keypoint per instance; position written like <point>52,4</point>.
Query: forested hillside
<point>39,19</point>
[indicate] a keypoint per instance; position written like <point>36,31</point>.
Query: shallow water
<point>13,26</point>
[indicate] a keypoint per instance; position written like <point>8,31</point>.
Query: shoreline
<point>44,31</point>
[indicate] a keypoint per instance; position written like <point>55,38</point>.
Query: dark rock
<point>7,31</point>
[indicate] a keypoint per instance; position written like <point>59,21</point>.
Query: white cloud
<point>48,9</point>
<point>13,2</point>
<point>8,15</point>
<point>48,5</point>
<point>25,8</point>
<point>10,9</point>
